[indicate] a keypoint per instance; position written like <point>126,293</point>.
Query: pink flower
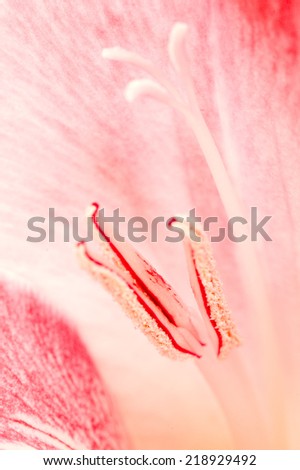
<point>68,138</point>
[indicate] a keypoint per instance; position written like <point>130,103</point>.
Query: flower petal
<point>52,394</point>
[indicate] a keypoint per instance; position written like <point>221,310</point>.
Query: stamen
<point>176,47</point>
<point>179,60</point>
<point>207,288</point>
<point>144,295</point>
<point>123,55</point>
<point>146,87</point>
<point>251,269</point>
<point>190,111</point>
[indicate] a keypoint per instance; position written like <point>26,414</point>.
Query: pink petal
<point>52,394</point>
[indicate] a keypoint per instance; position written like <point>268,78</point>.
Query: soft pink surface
<point>68,137</point>
<point>51,393</point>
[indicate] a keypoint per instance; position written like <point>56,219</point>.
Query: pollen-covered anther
<point>132,305</point>
<point>143,294</point>
<point>207,288</point>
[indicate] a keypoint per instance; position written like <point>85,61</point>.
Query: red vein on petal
<point>41,432</point>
